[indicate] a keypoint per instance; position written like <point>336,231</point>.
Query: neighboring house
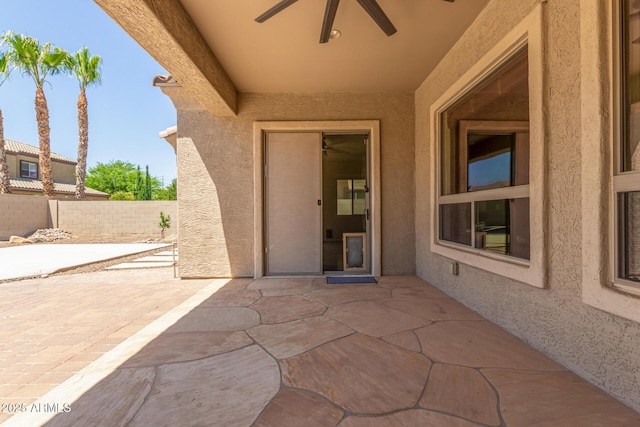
<point>24,173</point>
<point>497,140</point>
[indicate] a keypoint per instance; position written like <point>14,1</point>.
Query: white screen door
<point>293,213</point>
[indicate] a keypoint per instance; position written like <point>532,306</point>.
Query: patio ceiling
<point>283,54</point>
<point>215,49</point>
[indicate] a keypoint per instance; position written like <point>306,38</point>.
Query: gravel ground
<point>92,239</point>
<point>97,266</point>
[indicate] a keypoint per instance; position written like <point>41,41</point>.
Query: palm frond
<point>54,62</point>
<point>87,68</point>
<point>33,59</point>
<point>23,55</point>
<point>5,69</point>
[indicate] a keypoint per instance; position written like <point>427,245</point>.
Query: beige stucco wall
<point>215,176</point>
<point>62,172</point>
<point>600,347</point>
<point>11,163</point>
<point>20,215</point>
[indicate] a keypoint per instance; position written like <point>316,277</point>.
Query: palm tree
<point>5,183</point>
<point>86,69</point>
<point>38,61</point>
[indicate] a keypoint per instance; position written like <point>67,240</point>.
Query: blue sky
<point>490,170</point>
<point>125,112</point>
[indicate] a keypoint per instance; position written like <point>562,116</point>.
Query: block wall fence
<point>22,215</point>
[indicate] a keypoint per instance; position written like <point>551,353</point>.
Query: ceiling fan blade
<point>275,9</point>
<point>329,16</point>
<point>377,14</point>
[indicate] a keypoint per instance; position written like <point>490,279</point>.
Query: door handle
<point>319,202</point>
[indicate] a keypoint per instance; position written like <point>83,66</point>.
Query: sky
<point>126,112</point>
<point>491,170</point>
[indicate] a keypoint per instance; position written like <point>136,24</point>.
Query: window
<point>626,180</point>
<point>488,160</point>
<point>28,169</point>
<point>608,103</point>
<point>484,164</point>
<point>351,197</point>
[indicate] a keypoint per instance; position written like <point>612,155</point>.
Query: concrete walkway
<point>158,260</point>
<point>35,260</point>
<point>291,352</point>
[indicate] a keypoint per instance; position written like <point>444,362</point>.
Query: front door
<point>293,203</point>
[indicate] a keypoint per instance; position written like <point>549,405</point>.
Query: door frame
<point>372,127</point>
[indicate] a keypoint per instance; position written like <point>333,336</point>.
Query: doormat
<point>349,279</point>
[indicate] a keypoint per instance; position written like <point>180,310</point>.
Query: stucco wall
<point>600,347</point>
<point>20,215</point>
<point>215,159</point>
<point>61,172</point>
<point>11,163</point>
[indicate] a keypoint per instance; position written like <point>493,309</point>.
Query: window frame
<point>28,175</point>
<point>480,126</point>
<point>599,86</point>
<point>472,197</point>
<point>526,34</point>
<point>491,127</point>
<point>622,181</point>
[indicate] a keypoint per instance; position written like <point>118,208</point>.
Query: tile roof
<point>16,147</point>
<point>36,185</point>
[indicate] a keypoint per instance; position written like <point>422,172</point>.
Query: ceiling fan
<point>370,6</point>
<point>326,149</point>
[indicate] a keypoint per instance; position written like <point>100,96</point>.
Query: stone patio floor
<point>139,348</point>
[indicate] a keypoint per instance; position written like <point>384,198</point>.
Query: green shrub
<point>122,195</point>
<point>165,222</point>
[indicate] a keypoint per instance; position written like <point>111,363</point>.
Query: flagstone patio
<point>292,352</point>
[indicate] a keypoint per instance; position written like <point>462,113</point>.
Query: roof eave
<point>171,37</point>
